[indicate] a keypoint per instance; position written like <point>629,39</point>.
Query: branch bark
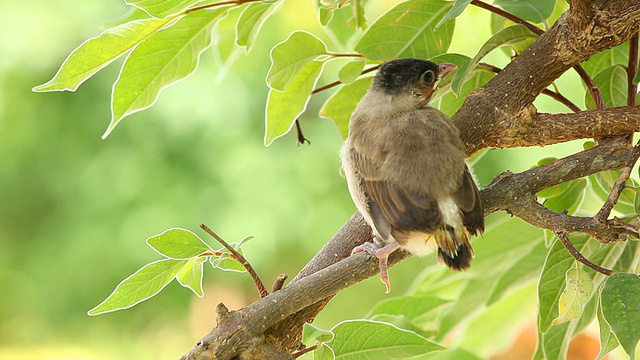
<point>500,114</point>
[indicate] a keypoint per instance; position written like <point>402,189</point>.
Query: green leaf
<point>140,286</point>
<point>457,9</point>
<point>291,56</point>
<point>608,340</point>
<point>507,36</point>
<point>324,352</point>
<point>411,307</point>
<point>351,70</point>
<point>251,20</point>
<point>621,309</point>
<point>164,58</point>
<point>568,197</point>
<point>407,30</point>
<point>191,274</point>
<point>536,11</point>
<point>178,244</point>
<point>312,334</point>
<point>341,104</point>
<point>450,103</point>
<point>574,297</point>
<point>163,8</point>
<point>97,52</point>
<point>612,83</point>
<point>226,262</point>
<point>358,19</point>
<point>283,108</point>
<point>368,339</point>
<point>552,279</point>
<point>618,55</point>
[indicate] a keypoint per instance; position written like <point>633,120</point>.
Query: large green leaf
<point>165,57</point>
<point>163,8</point>
<point>97,52</point>
<point>455,11</point>
<point>411,307</point>
<point>251,20</point>
<point>368,339</point>
<point>621,309</point>
<point>178,244</point>
<point>291,56</point>
<point>567,197</point>
<point>284,107</point>
<point>341,104</point>
<point>536,11</point>
<point>608,341</point>
<point>507,36</point>
<point>140,286</point>
<point>618,55</point>
<point>407,30</point>
<point>351,71</point>
<point>612,83</point>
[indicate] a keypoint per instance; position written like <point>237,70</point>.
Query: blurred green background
<point>75,210</point>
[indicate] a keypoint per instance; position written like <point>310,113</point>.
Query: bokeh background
<point>75,210</point>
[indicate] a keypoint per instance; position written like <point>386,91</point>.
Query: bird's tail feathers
<point>454,248</point>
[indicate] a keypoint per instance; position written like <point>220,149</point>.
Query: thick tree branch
<point>499,114</point>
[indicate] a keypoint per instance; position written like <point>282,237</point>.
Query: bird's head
<point>410,78</point>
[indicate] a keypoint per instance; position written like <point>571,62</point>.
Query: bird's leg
<point>378,249</point>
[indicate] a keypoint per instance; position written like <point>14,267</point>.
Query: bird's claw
<point>381,251</point>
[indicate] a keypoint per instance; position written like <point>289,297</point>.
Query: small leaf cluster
<point>184,257</point>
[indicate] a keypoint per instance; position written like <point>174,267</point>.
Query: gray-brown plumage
<point>405,166</point>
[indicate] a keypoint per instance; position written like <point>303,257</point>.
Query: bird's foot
<point>378,249</point>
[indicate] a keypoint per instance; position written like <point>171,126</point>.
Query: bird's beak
<point>444,69</point>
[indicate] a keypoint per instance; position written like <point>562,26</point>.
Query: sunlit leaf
<point>164,58</point>
<point>410,306</point>
<point>251,20</point>
<point>178,244</point>
<point>602,60</point>
<point>191,275</point>
<point>574,297</point>
<point>140,286</point>
<point>612,83</point>
<point>312,334</point>
<point>457,9</point>
<point>358,19</point>
<point>507,36</point>
<point>368,339</point>
<point>342,103</point>
<point>226,262</point>
<point>351,70</point>
<point>284,107</point>
<point>608,340</point>
<point>291,56</point>
<point>97,52</point>
<point>621,309</point>
<point>324,352</point>
<point>536,11</point>
<point>163,8</point>
<point>407,30</point>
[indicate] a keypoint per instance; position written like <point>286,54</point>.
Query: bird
<point>406,170</point>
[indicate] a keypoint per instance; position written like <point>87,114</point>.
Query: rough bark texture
<point>500,114</point>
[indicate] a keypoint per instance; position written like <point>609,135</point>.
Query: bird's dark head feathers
<point>404,75</point>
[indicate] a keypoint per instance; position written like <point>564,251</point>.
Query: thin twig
<point>256,279</point>
<point>338,82</point>
<point>553,94</point>
<point>591,86</point>
<point>632,70</point>
<point>576,254</point>
<point>304,351</point>
<point>618,186</point>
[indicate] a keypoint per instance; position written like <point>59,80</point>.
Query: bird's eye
<point>428,77</point>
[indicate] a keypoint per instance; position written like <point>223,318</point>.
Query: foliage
<point>165,46</point>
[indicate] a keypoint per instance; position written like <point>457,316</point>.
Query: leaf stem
<point>338,82</point>
<point>578,256</point>
<point>256,279</point>
<point>618,186</point>
<point>591,86</point>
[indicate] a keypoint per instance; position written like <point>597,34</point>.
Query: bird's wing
<point>467,198</point>
<point>393,207</point>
